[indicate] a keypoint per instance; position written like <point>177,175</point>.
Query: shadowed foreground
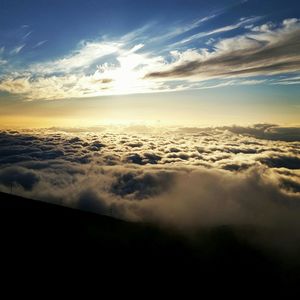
<point>41,236</point>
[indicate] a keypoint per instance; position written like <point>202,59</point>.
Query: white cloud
<point>40,44</point>
<point>87,54</point>
<point>264,28</point>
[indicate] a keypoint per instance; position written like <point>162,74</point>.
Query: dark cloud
<point>152,158</point>
<point>90,200</point>
<point>268,132</point>
<point>181,156</point>
<point>290,185</point>
<point>236,167</point>
<point>237,150</point>
<point>12,176</point>
<point>143,159</point>
<point>173,149</point>
<point>262,131</point>
<point>96,146</point>
<point>288,134</point>
<point>75,140</point>
<point>289,162</point>
<point>142,185</point>
<point>135,144</point>
<point>135,159</point>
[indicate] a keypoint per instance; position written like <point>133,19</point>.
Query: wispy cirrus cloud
<point>227,28</point>
<point>17,49</point>
<point>27,35</point>
<point>178,30</point>
<point>287,81</point>
<point>39,44</point>
<point>2,61</point>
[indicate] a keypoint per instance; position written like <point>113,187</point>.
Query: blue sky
<point>60,50</point>
<point>64,23</point>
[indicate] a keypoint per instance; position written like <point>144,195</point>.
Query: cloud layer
<point>183,178</point>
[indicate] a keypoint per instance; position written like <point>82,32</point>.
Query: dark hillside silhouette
<point>35,233</point>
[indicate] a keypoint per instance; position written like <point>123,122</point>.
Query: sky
<point>84,63</point>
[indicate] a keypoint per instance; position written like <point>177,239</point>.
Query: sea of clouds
<point>183,178</point>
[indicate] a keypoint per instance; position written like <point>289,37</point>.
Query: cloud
<point>236,167</point>
<point>252,54</point>
<point>87,54</point>
<point>218,30</point>
<point>27,35</point>
<point>290,185</point>
<point>15,86</point>
<point>11,176</point>
<point>17,49</point>
<point>89,200</point>
<point>142,185</point>
<point>288,162</point>
<point>143,158</point>
<point>2,61</point>
<point>39,44</point>
<point>268,132</point>
<point>292,82</point>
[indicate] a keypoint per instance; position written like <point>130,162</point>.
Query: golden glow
<point>210,108</point>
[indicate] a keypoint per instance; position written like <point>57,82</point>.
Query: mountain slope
<point>35,233</point>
